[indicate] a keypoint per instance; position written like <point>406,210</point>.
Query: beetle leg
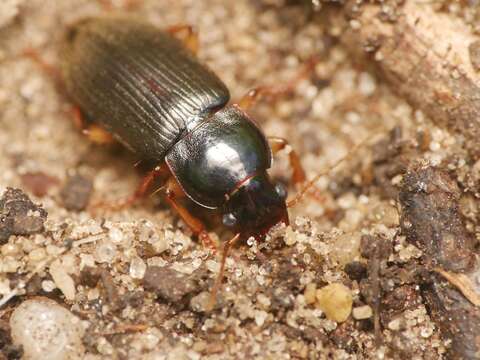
<point>49,69</point>
<point>277,144</point>
<point>272,92</point>
<point>218,282</point>
<point>140,192</point>
<point>173,192</point>
<point>187,35</point>
<point>98,135</point>
<point>94,132</point>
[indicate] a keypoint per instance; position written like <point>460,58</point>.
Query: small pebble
<point>63,281</point>
<point>356,270</point>
<point>346,248</point>
<point>105,252</point>
<point>200,302</point>
<point>137,268</point>
<point>290,237</point>
<point>76,193</point>
<point>20,216</point>
<point>47,330</point>
<point>310,293</point>
<point>335,300</point>
<point>395,324</point>
<point>362,312</point>
<point>48,285</point>
<point>170,284</point>
<point>260,317</point>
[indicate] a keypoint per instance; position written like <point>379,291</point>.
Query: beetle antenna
<point>218,281</point>
<point>333,166</point>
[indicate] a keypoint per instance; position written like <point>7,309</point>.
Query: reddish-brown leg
<point>298,173</point>
<point>173,192</point>
<point>275,91</point>
<point>187,35</point>
<point>141,191</point>
<point>226,249</point>
<point>277,144</point>
<point>94,132</point>
<point>47,68</point>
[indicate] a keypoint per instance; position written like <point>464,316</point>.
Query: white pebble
<point>48,285</point>
<point>63,281</point>
<point>260,317</point>
<point>137,268</point>
<point>105,252</point>
<point>47,330</point>
<point>362,312</point>
<point>116,235</point>
<point>4,286</point>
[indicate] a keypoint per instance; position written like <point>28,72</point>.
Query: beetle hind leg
<point>275,91</point>
<point>94,132</point>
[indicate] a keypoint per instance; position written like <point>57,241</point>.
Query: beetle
<point>147,89</point>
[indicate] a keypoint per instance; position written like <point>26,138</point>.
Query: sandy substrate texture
<point>134,284</point>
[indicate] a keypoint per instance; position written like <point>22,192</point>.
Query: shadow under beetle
<point>145,88</point>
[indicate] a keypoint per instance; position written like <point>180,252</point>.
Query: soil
<point>395,223</point>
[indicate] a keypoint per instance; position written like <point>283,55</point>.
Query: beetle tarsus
<point>207,241</point>
<point>218,281</point>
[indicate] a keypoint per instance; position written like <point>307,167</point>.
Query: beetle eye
<point>281,190</point>
<point>229,220</point>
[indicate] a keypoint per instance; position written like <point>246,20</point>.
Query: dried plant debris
<point>19,215</point>
<point>431,220</point>
<point>443,69</point>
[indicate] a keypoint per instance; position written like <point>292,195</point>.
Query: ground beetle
<point>145,88</point>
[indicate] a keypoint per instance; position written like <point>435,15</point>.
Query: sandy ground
<point>136,279</point>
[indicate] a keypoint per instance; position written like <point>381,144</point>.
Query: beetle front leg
<point>173,192</point>
<point>187,35</point>
<point>275,91</point>
<point>277,144</point>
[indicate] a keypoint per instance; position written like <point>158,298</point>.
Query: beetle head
<point>255,206</point>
